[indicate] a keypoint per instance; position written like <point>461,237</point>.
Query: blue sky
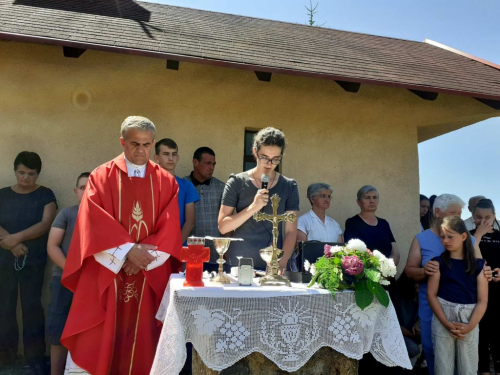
<point>465,162</point>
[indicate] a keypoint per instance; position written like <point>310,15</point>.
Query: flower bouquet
<point>353,266</point>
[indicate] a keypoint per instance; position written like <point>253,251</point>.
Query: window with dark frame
<point>248,159</point>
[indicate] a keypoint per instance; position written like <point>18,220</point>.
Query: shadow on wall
<point>125,9</point>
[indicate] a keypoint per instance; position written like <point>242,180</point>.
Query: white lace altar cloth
<point>226,323</point>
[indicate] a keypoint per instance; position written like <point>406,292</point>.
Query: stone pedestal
<point>325,361</point>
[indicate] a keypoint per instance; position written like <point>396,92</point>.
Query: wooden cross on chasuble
<point>195,254</point>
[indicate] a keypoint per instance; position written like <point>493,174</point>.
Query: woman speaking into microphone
<point>248,192</point>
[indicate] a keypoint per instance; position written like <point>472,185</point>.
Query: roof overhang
<point>461,53</point>
<point>235,65</point>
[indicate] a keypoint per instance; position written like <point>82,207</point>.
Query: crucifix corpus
<point>271,255</point>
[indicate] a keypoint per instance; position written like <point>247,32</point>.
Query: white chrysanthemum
<point>357,245</point>
<point>387,267</point>
<point>336,249</point>
<point>384,282</point>
<point>313,269</point>
<point>307,265</point>
<point>377,254</point>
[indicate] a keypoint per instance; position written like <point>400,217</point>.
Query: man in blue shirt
<point>167,156</point>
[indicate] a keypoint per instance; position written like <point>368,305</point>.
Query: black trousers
<point>489,332</point>
<point>30,282</point>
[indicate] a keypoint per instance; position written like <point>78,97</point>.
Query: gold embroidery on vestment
<point>152,198</point>
<point>137,215</point>
<point>120,196</point>
<point>137,212</point>
<point>136,326</point>
<point>114,336</point>
<point>128,292</point>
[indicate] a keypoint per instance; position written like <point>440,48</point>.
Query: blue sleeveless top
<point>430,245</point>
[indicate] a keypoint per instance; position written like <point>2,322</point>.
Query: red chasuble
<point>111,328</point>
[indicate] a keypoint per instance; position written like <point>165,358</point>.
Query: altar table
<point>226,323</point>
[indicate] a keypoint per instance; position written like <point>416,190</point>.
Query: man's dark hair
<point>29,159</point>
<point>82,175</point>
<point>170,143</point>
<point>203,150</point>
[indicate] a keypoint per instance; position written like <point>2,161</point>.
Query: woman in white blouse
<point>315,225</point>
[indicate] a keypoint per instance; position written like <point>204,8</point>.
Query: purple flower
<point>352,265</point>
<point>327,251</point>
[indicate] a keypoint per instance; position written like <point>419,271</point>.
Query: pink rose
<point>352,265</point>
<point>327,251</point>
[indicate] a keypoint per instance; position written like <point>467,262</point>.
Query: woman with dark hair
<point>484,217</point>
<point>26,213</point>
<point>244,195</point>
<point>432,198</point>
<point>424,213</point>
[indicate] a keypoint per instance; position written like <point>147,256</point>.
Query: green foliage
<point>311,11</point>
<point>331,275</point>
<point>373,275</point>
<point>378,291</point>
<point>363,295</point>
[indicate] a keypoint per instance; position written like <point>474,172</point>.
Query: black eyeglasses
<point>264,160</point>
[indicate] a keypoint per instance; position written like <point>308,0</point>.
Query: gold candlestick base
<point>272,277</point>
<point>221,245</point>
<point>274,280</point>
<point>221,279</point>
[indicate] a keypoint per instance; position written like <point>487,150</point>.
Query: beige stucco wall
<point>70,110</point>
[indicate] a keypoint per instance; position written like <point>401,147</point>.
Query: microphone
<point>265,181</point>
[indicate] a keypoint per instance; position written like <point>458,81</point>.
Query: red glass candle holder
<point>195,254</point>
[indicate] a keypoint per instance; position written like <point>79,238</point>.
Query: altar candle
<point>195,254</point>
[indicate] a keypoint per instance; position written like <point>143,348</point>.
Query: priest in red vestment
<point>125,245</point>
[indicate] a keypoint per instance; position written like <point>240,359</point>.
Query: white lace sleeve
<point>114,258</point>
<point>160,258</point>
